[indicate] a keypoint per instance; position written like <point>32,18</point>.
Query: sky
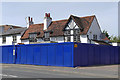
<point>14,13</point>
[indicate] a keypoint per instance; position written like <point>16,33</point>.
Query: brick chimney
<point>29,21</point>
<point>47,20</point>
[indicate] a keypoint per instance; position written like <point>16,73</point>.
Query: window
<point>14,38</point>
<point>4,39</point>
<point>68,32</point>
<point>47,36</point>
<point>32,37</point>
<point>68,39</point>
<point>95,37</point>
<point>76,31</point>
<point>78,38</point>
<point>75,38</point>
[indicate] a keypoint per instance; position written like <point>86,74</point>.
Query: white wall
<point>0,40</point>
<point>9,39</point>
<point>83,38</point>
<point>57,39</point>
<point>25,41</point>
<point>18,38</point>
<point>94,29</point>
<point>115,44</point>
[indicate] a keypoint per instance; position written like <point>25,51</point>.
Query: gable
<point>94,29</point>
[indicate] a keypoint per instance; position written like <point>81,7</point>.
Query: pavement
<point>34,71</point>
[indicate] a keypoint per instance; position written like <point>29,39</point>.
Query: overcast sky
<point>14,13</point>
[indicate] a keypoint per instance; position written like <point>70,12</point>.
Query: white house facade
<point>10,34</point>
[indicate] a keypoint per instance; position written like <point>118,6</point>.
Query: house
<point>73,29</point>
<point>10,34</point>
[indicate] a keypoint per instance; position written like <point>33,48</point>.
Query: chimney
<point>29,21</point>
<point>2,29</point>
<point>47,20</point>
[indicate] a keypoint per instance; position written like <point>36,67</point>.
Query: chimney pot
<point>46,15</point>
<point>29,18</point>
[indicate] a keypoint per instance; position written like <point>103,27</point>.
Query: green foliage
<point>106,33</point>
<point>115,39</point>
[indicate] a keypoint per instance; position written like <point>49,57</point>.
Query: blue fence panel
<point>23,55</point>
<point>1,54</point>
<point>91,55</point>
<point>52,55</point>
<point>29,54</point>
<point>18,54</point>
<point>84,55</point>
<point>44,55</point>
<point>112,55</point>
<point>10,55</point>
<point>37,55</point>
<point>4,54</point>
<point>116,55</point>
<point>59,55</point>
<point>68,55</point>
<point>77,56</point>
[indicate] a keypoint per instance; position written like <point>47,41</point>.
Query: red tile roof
<point>58,26</point>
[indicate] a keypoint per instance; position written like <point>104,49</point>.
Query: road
<point>33,71</point>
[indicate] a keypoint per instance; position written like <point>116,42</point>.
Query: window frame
<point>14,38</point>
<point>94,37</point>
<point>3,39</point>
<point>32,37</point>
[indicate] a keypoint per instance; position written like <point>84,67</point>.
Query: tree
<point>115,38</point>
<point>106,34</point>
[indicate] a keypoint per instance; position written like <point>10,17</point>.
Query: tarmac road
<point>33,71</point>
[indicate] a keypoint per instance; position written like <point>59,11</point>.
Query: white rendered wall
<point>25,41</point>
<point>83,39</point>
<point>0,40</point>
<point>9,39</point>
<point>94,29</point>
<point>18,38</point>
<point>40,40</point>
<point>115,44</point>
<point>57,39</point>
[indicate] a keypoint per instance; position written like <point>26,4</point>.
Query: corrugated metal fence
<point>61,54</point>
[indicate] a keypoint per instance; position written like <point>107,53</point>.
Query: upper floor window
<point>47,36</point>
<point>14,38</point>
<point>67,32</point>
<point>95,37</point>
<point>76,31</point>
<point>32,37</point>
<point>4,39</point>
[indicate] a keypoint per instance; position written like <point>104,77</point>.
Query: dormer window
<point>47,36</point>
<point>32,37</point>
